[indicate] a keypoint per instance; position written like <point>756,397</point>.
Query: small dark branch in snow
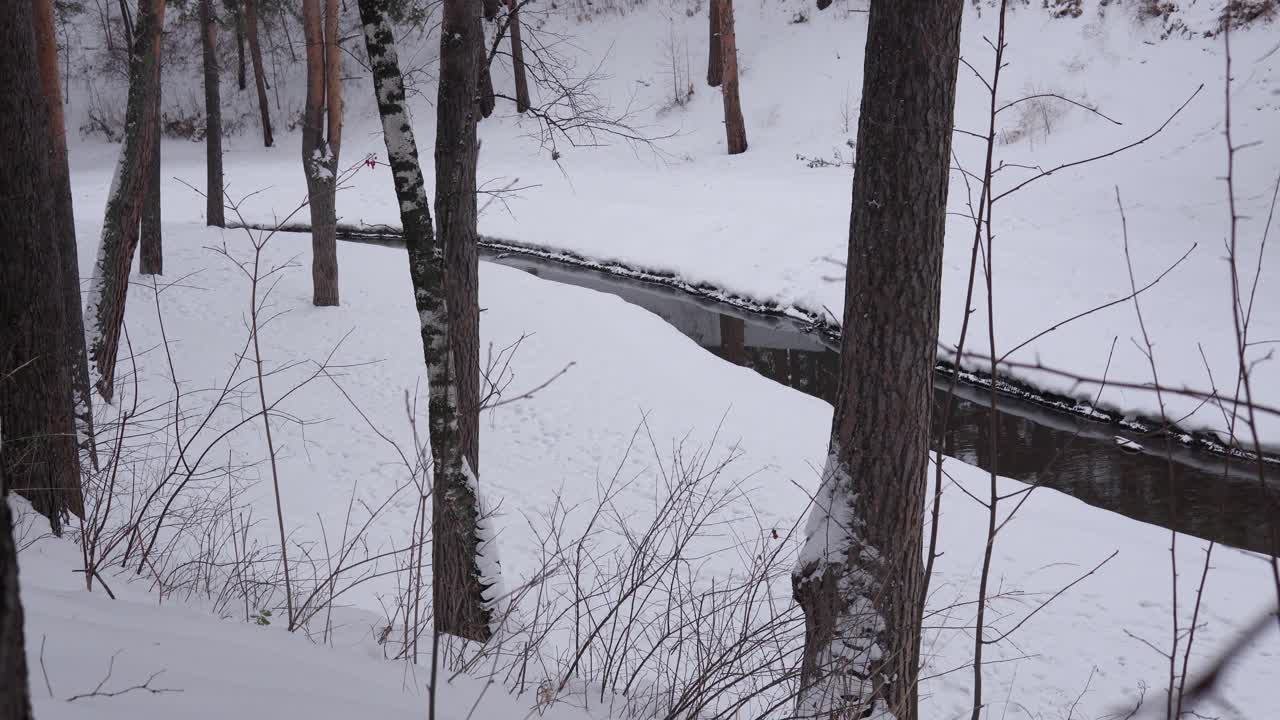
<point>100,692</point>
<point>1063,98</point>
<point>1094,158</point>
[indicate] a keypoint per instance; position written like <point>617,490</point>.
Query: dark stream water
<point>1080,457</point>
<point>1096,462</point>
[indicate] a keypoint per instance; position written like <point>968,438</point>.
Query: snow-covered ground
<point>766,226</point>
<point>555,446</point>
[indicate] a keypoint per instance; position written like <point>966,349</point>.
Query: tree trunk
<point>517,58</point>
<point>859,575</point>
<point>38,457</point>
<point>491,8</point>
<point>735,130</point>
<point>487,100</point>
<point>320,154</point>
<point>151,252</point>
<point>75,357</point>
<point>464,595</point>
<point>715,64</point>
<point>238,9</point>
<point>214,211</point>
<point>462,574</point>
<point>259,73</point>
<point>110,282</point>
<point>15,690</point>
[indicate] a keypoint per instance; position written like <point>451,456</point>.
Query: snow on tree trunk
<point>75,357</point>
<point>735,130</point>
<point>517,58</point>
<point>39,457</point>
<point>150,251</point>
<point>467,573</point>
<point>321,143</point>
<point>714,61</point>
<point>859,575</point>
<point>250,20</point>
<point>214,211</point>
<point>110,282</point>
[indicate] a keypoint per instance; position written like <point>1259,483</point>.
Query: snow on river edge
<point>628,363</point>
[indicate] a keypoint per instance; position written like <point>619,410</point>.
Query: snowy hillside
<point>770,227</point>
<point>647,496</point>
<point>557,450</point>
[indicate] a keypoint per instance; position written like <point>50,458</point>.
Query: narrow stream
<point>1082,458</point>
<point>1098,463</point>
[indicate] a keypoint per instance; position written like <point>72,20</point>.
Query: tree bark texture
<point>151,249</point>
<point>75,356</point>
<point>485,90</point>
<point>38,456</point>
<point>214,210</point>
<point>735,130</point>
<point>517,58</point>
<point>491,8</point>
<point>460,584</point>
<point>110,282</point>
<point>461,607</point>
<point>237,11</point>
<point>250,11</point>
<point>714,61</point>
<point>859,578</point>
<point>322,142</point>
<point>15,690</point>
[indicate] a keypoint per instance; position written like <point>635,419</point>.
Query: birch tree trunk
<point>38,457</point>
<point>110,282</point>
<point>464,595</point>
<point>735,130</point>
<point>321,143</point>
<point>214,210</point>
<point>250,12</point>
<point>75,357</point>
<point>517,58</point>
<point>151,253</point>
<point>859,576</point>
<point>714,60</point>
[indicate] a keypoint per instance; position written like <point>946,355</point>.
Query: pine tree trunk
<point>460,583</point>
<point>463,595</point>
<point>859,577</point>
<point>151,252</point>
<point>214,211</point>
<point>320,155</point>
<point>715,62</point>
<point>259,73</point>
<point>110,282</point>
<point>15,690</point>
<point>38,457</point>
<point>735,130</point>
<point>517,58</point>
<point>75,357</point>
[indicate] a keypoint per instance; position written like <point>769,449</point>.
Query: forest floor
<point>764,225</point>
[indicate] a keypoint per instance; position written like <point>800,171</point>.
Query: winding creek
<point>1099,463</point>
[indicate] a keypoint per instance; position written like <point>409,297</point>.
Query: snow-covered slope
<point>768,226</point>
<point>553,449</point>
